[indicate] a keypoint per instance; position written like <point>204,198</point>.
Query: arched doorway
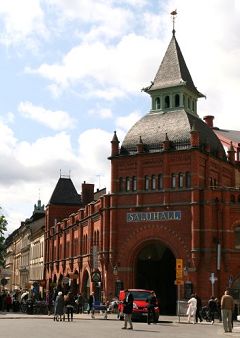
<point>155,269</point>
<point>86,285</point>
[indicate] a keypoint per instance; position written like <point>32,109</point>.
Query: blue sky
<point>72,72</point>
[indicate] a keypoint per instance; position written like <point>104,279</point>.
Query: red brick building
<point>174,194</point>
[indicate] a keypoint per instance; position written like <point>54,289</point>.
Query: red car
<point>140,304</point>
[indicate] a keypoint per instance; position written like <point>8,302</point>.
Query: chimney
<point>209,120</point>
<point>195,139</point>
<point>231,154</point>
<point>115,145</point>
<point>140,146</point>
<point>87,193</point>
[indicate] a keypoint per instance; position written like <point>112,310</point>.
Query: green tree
<point>3,228</point>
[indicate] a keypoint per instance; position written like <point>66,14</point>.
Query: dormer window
<point>157,103</point>
<point>167,101</point>
<point>177,100</point>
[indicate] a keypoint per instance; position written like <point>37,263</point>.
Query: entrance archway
<point>155,269</point>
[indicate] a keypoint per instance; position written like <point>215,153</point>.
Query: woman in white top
<point>192,308</point>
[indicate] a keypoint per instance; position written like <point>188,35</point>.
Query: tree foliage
<point>3,228</point>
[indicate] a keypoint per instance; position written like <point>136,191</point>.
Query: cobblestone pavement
<point>39,326</point>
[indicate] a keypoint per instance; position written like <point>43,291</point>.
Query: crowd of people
<point>223,310</point>
<point>63,307</point>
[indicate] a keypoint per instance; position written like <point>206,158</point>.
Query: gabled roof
<point>173,71</point>
<point>65,193</point>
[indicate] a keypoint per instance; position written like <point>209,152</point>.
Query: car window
<point>140,295</point>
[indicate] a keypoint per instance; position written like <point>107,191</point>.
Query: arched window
<point>183,100</point>
<point>146,182</point>
<point>128,186</point>
<point>173,181</point>
<point>232,198</point>
<point>134,183</point>
<point>193,106</point>
<point>188,179</point>
<point>188,103</point>
<point>157,103</point>
<point>167,101</point>
<point>237,237</point>
<point>120,184</point>
<point>153,181</point>
<point>160,181</point>
<point>180,180</point>
<point>177,100</point>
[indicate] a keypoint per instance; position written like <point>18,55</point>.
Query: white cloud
<point>104,113</point>
<point>124,123</point>
<point>56,120</point>
<point>116,71</point>
<point>21,19</point>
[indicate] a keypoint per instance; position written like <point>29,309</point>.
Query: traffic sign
<point>179,268</point>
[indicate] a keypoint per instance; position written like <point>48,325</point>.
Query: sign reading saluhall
<point>154,216</point>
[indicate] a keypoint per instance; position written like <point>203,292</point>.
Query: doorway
<point>156,270</point>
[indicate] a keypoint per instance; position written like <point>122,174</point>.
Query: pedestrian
<point>79,302</point>
<point>212,309</point>
<point>69,304</point>
<point>227,306</point>
<point>192,308</point>
<point>59,307</point>
<point>152,303</point>
<point>8,302</point>
<point>218,309</point>
<point>127,310</point>
<point>91,301</point>
<point>49,302</point>
<point>199,308</point>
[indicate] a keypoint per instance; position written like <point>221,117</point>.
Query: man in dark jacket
<point>152,303</point>
<point>127,310</point>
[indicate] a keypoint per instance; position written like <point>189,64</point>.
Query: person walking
<point>91,301</point>
<point>69,305</point>
<point>152,303</point>
<point>192,308</point>
<point>59,307</point>
<point>212,309</point>
<point>199,309</point>
<point>227,306</point>
<point>79,302</point>
<point>127,310</point>
<point>8,302</point>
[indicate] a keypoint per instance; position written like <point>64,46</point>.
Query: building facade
<point>174,195</point>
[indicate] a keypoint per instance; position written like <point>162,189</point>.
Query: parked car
<point>140,304</point>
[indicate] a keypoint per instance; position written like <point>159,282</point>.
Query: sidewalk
<point>82,316</point>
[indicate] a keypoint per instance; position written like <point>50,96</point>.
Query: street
<point>27,326</point>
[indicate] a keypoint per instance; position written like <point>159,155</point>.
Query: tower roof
<point>173,71</point>
<point>65,193</point>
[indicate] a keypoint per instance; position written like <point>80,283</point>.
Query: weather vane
<point>173,13</point>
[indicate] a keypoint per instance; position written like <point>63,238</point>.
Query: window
<point>188,180</point>
<point>177,100</point>
<point>120,184</point>
<point>153,182</point>
<point>232,199</point>
<point>127,183</point>
<point>180,180</point>
<point>193,105</point>
<point>183,100</point>
<point>167,102</point>
<point>160,181</point>
<point>173,181</point>
<point>134,183</point>
<point>157,103</point>
<point>237,237</point>
<point>146,182</point>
